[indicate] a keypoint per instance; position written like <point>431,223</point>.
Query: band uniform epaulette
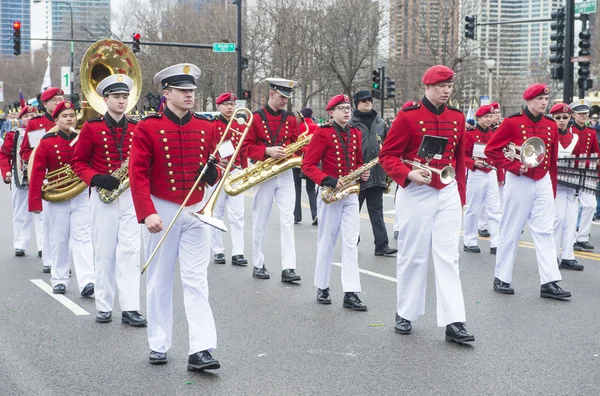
<point>132,120</point>
<point>548,116</point>
<point>49,135</point>
<point>453,108</point>
<point>155,115</point>
<point>202,117</point>
<point>326,125</point>
<point>98,119</point>
<point>515,115</point>
<point>413,107</point>
<point>37,116</point>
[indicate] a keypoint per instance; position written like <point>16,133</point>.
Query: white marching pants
<point>588,207</point>
<point>70,232</point>
<point>482,193</point>
<point>482,223</point>
<point>429,223</point>
<point>189,239</point>
<point>235,213</point>
<point>343,216</point>
<point>22,218</point>
<point>565,222</point>
<point>281,189</point>
<point>46,247</point>
<point>116,235</point>
<point>527,200</point>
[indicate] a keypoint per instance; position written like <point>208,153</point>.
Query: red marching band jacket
<point>6,153</point>
<point>566,139</point>
<point>220,125</point>
<point>587,143</point>
<point>44,121</point>
<point>97,149</point>
<point>312,128</point>
<point>517,129</point>
<point>278,129</point>
<point>479,135</point>
<point>326,148</point>
<point>405,137</point>
<point>166,159</point>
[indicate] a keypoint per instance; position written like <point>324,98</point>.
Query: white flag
<point>46,83</point>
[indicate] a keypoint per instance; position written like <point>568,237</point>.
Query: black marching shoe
<point>386,251</point>
<point>133,318</point>
<point>19,252</point>
<point>570,265</point>
<point>202,360</point>
<point>289,275</point>
<point>457,332</point>
<point>493,250</point>
<point>104,317</point>
<point>46,269</point>
<point>157,357</point>
<point>239,259</point>
<point>552,290</point>
<point>503,287</point>
<point>88,290</point>
<point>352,301</point>
<point>59,289</point>
<point>315,221</point>
<point>261,273</point>
<point>39,253</point>
<point>323,296</point>
<point>583,246</point>
<point>483,233</point>
<point>471,249</point>
<point>403,326</point>
<point>219,258</point>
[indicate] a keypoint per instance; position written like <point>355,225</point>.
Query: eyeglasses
<point>344,108</point>
<point>561,117</point>
<point>582,114</point>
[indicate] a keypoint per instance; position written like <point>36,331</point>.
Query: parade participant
<point>311,191</point>
<point>22,219</point>
<point>430,211</point>
<point>169,150</point>
<point>586,146</point>
<point>497,113</point>
<point>273,129</point>
<point>69,221</point>
<point>374,131</point>
<point>342,215</point>
<point>104,144</point>
<point>470,124</point>
<point>235,204</point>
<point>529,193</point>
<point>565,220</point>
<point>482,183</point>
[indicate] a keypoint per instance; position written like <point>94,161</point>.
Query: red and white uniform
<point>429,216</point>
<point>102,147</point>
<point>69,221</point>
<point>269,129</point>
<point>339,151</point>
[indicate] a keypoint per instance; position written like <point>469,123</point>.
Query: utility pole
<point>569,51</point>
<point>239,68</point>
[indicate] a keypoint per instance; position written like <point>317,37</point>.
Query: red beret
<point>49,93</point>
<point>535,90</point>
<point>438,74</point>
<point>495,105</point>
<point>62,106</point>
<point>560,108</point>
<point>336,100</point>
<point>408,104</point>
<point>483,110</point>
<point>226,97</point>
<point>26,110</point>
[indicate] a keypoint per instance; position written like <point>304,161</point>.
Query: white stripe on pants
<point>22,218</point>
<point>588,207</point>
<point>189,239</point>
<point>482,192</point>
<point>235,213</point>
<point>47,259</point>
<point>116,235</point>
<point>565,222</point>
<point>281,188</point>
<point>70,230</point>
<point>529,200</point>
<point>429,223</point>
<point>343,216</point>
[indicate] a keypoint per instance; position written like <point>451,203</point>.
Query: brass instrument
<point>447,174</point>
<point>205,215</point>
<point>19,167</point>
<point>530,154</point>
<point>122,175</point>
<point>349,182</point>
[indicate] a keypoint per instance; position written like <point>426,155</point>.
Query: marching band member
<point>342,215</point>
<point>565,220</point>
<point>482,184</point>
<point>235,205</point>
<point>22,219</point>
<point>430,211</point>
<point>273,129</point>
<point>104,144</point>
<point>69,220</point>
<point>529,194</point>
<point>309,128</point>
<point>169,150</point>
<point>587,145</point>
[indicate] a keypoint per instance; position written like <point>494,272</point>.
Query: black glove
<point>329,181</point>
<point>105,181</point>
<point>212,174</point>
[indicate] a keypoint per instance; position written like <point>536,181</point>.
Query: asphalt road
<point>274,339</point>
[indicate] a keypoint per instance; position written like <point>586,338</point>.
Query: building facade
<point>10,12</point>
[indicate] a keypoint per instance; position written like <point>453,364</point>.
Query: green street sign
<point>586,7</point>
<point>223,47</point>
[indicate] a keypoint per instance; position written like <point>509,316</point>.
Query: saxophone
<point>121,174</point>
<point>349,182</point>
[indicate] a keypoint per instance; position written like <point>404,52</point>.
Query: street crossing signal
<point>136,42</point>
<point>471,27</point>
<point>391,88</point>
<point>17,38</point>
<point>584,81</point>
<point>557,46</point>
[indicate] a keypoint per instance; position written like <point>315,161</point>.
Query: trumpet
<point>485,164</point>
<point>447,174</point>
<point>531,153</point>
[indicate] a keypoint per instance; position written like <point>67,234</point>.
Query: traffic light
<point>17,38</point>
<point>246,95</point>
<point>376,79</point>
<point>471,27</point>
<point>557,46</point>
<point>584,81</point>
<point>391,88</point>
<point>136,42</point>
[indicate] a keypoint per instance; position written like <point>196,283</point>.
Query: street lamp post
<point>490,64</point>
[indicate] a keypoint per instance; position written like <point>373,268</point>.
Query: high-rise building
<point>10,12</point>
<point>91,18</point>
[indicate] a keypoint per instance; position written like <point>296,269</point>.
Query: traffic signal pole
<point>569,50</point>
<point>382,90</point>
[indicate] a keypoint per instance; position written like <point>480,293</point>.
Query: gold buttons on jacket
<point>172,181</point>
<point>169,164</point>
<point>105,139</point>
<point>421,122</point>
<point>106,146</point>
<point>59,157</point>
<point>173,189</point>
<point>104,132</point>
<point>168,156</point>
<point>166,148</point>
<point>107,152</point>
<point>56,146</point>
<point>162,132</point>
<point>165,140</point>
<point>170,173</point>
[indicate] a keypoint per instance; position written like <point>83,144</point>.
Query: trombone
<point>205,215</point>
<point>530,154</point>
<point>447,174</point>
